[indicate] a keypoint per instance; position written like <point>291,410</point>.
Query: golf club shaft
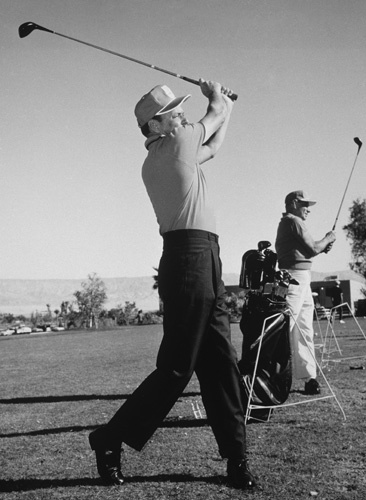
<point>233,97</point>
<point>359,143</point>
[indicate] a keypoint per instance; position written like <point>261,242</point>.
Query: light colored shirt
<point>175,181</point>
<point>294,244</point>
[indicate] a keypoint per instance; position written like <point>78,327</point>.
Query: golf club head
<point>26,29</point>
<point>358,142</point>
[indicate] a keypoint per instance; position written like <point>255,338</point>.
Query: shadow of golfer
<point>22,485</point>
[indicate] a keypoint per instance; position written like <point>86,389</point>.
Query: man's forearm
<point>215,141</point>
<point>213,144</point>
<point>323,244</point>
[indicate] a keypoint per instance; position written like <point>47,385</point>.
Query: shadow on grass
<point>80,397</point>
<point>7,486</point>
<point>36,484</point>
<point>168,423</point>
<point>299,391</point>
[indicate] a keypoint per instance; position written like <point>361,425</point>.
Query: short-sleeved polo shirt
<point>294,244</point>
<point>175,181</point>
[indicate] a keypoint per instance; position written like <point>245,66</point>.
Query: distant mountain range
<point>340,275</point>
<point>19,296</point>
<point>26,296</point>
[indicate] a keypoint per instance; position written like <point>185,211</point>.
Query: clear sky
<point>72,201</point>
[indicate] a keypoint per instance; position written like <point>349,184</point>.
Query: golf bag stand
<point>265,362</point>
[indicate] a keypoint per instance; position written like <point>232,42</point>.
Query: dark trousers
<point>196,339</point>
<point>339,310</point>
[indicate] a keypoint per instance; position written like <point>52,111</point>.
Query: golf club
<point>359,144</point>
<point>26,29</point>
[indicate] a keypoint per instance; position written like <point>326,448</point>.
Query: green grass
<point>57,387</point>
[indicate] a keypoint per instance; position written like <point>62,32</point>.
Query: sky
<point>72,201</point>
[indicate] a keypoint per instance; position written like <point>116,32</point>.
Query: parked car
<point>37,330</point>
<point>22,329</point>
<point>44,328</point>
<point>8,331</point>
<point>57,328</point>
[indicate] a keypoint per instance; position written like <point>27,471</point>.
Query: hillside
<point>341,275</point>
<point>27,296</point>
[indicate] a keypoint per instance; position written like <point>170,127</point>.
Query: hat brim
<point>305,200</point>
<point>173,104</point>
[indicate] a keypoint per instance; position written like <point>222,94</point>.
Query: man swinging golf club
<point>196,323</point>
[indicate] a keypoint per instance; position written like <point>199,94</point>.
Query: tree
<point>124,315</point>
<point>234,304</point>
<point>127,314</point>
<point>9,318</point>
<point>48,316</point>
<point>356,232</point>
<point>57,314</point>
<point>156,279</point>
<point>91,298</point>
<point>156,287</point>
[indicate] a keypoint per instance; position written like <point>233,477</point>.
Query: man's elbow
<point>212,154</point>
<point>207,154</point>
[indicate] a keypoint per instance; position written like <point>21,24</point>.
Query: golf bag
<point>265,326</point>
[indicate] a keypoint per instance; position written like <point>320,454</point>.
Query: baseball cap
<point>158,101</point>
<point>300,196</point>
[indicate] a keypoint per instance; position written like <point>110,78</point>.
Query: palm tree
<point>49,312</point>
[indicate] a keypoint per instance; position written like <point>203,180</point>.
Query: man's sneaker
<point>342,322</point>
<point>239,475</point>
<point>312,387</point>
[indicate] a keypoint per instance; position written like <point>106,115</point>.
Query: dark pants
<point>196,339</point>
<point>339,310</point>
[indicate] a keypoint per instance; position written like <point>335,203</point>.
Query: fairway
<point>57,387</point>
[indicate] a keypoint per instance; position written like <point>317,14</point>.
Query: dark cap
<point>299,196</point>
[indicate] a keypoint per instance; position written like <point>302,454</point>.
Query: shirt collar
<point>151,139</point>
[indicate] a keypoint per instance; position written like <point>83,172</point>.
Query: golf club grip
<point>233,97</point>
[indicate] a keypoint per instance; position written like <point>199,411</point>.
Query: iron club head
<point>358,142</point>
<point>26,29</point>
